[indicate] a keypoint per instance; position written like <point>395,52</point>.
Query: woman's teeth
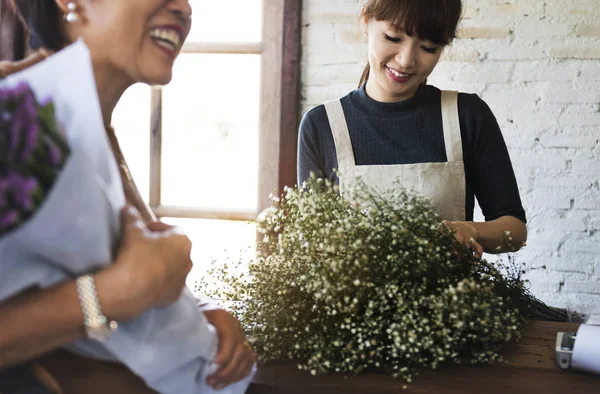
<point>166,38</point>
<point>398,74</point>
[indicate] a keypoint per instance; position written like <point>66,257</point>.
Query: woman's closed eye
<point>431,50</point>
<point>426,48</point>
<point>395,40</point>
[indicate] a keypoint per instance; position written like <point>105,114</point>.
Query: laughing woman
<point>394,127</point>
<point>129,41</point>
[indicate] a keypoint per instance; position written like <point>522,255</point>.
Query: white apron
<point>443,184</point>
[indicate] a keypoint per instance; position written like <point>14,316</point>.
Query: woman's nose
<point>406,57</point>
<point>180,7</point>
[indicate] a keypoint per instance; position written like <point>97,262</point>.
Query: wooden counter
<point>532,370</point>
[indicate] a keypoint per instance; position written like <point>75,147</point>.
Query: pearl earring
<point>72,16</point>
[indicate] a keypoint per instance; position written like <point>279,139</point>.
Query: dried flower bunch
<point>375,283</point>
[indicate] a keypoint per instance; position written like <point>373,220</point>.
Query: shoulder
<point>315,114</point>
<point>473,105</point>
<point>312,119</point>
<point>316,118</point>
<point>469,104</point>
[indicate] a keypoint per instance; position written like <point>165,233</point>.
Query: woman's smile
<point>398,76</point>
<point>168,38</point>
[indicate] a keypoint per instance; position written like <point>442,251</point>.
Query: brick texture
<point>537,64</point>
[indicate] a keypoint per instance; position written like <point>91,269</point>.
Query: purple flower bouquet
<point>32,153</point>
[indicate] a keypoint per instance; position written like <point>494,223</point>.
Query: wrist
<point>118,293</point>
<point>97,325</point>
<point>475,230</point>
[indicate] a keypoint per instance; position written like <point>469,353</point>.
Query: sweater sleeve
<point>308,150</point>
<point>488,166</point>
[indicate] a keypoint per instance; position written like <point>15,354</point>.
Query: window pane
<point>131,121</point>
<point>217,20</point>
<point>210,132</point>
<point>216,240</point>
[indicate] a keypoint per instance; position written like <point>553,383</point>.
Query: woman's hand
<point>8,67</point>
<point>150,269</point>
<point>505,234</point>
<point>234,358</point>
<point>466,233</point>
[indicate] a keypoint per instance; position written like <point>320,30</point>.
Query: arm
<point>505,234</point>
<point>150,270</point>
<point>491,177</point>
<point>308,150</point>
<point>38,321</point>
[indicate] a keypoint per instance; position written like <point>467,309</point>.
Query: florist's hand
<point>151,266</point>
<point>465,233</point>
<point>234,358</point>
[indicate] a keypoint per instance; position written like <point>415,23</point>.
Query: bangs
<point>432,20</point>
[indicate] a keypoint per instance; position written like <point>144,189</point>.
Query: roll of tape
<point>586,352</point>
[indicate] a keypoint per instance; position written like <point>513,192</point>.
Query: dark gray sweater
<point>411,132</point>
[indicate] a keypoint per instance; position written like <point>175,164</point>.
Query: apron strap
<point>341,135</point>
<point>451,125</point>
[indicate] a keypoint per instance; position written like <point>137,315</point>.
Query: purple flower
<point>31,153</point>
<point>45,102</point>
<point>13,138</point>
<point>22,89</point>
<point>30,141</point>
<point>28,105</point>
<point>24,127</point>
<point>8,219</point>
<point>22,188</point>
<point>54,156</point>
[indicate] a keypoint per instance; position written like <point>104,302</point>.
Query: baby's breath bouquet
<point>344,285</point>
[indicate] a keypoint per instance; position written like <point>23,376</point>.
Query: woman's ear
<point>63,5</point>
<point>73,10</point>
<point>365,25</point>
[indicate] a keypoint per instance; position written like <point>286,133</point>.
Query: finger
<point>475,246</point>
<point>245,367</point>
<point>174,230</point>
<point>188,267</point>
<point>130,215</point>
<point>158,227</point>
<point>233,371</point>
<point>227,345</point>
<point>478,249</point>
<point>250,361</point>
<point>132,221</point>
<point>460,237</point>
<point>29,61</point>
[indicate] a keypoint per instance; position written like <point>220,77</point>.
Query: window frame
<point>279,51</point>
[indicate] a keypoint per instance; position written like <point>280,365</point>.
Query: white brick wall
<point>537,64</point>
